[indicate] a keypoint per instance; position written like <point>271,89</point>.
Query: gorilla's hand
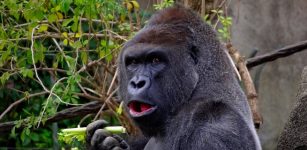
<point>99,139</point>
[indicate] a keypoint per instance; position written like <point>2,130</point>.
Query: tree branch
<point>248,84</point>
<point>59,36</point>
<point>279,53</point>
<point>20,101</point>
<point>88,108</point>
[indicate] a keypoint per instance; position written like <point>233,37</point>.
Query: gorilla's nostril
<point>141,84</point>
<point>133,84</point>
<point>138,84</point>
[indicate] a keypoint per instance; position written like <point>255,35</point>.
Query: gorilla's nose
<point>138,84</point>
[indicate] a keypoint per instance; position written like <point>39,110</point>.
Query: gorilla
<point>178,86</point>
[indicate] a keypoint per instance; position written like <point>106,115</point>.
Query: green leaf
<point>65,34</point>
<point>23,72</point>
<point>6,54</point>
<point>77,44</point>
<point>4,77</point>
<point>71,61</point>
<point>30,74</point>
<point>52,18</point>
<point>26,72</point>
<point>66,22</point>
<point>28,131</point>
<point>59,15</point>
<point>28,15</point>
<point>85,42</point>
<point>119,110</point>
<point>13,132</point>
<point>103,43</point>
<point>102,53</point>
<point>39,52</point>
<point>43,27</point>
<point>84,57</point>
<point>34,137</point>
<point>15,13</point>
<point>18,123</point>
<point>110,17</point>
<point>220,30</point>
<point>65,42</point>
<point>74,26</point>
<point>23,135</point>
<point>78,78</point>
<point>2,43</point>
<point>65,5</point>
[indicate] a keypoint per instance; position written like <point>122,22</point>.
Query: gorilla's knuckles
<point>99,135</point>
<point>110,142</point>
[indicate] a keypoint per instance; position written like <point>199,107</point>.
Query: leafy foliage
<point>56,54</point>
<point>222,23</point>
<point>163,4</point>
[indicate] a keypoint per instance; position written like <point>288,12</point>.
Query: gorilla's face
<point>155,80</point>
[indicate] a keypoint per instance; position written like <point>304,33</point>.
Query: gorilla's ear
<point>194,53</point>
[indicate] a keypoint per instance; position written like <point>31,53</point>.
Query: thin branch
<point>99,112</point>
<point>279,53</point>
<point>33,60</point>
<point>59,36</point>
<point>61,50</point>
<point>20,101</point>
<point>112,82</point>
<point>248,84</point>
<point>88,96</point>
<point>93,91</point>
<point>16,70</point>
<point>61,20</point>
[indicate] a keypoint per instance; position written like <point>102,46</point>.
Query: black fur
<point>200,104</point>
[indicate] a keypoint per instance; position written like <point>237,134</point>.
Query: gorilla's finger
<point>118,138</point>
<point>122,143</point>
<point>92,127</point>
<point>98,137</point>
<point>110,142</point>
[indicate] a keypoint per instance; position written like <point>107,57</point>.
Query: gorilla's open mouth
<point>138,109</point>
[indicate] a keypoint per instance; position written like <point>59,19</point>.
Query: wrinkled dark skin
<point>178,86</point>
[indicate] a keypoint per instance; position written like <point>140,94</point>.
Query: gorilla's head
<point>160,68</point>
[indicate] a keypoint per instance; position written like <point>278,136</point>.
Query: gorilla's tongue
<point>138,107</point>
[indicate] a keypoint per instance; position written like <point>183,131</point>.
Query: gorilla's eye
<point>155,60</point>
<point>132,62</point>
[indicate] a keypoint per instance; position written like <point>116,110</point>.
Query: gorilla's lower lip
<point>138,109</point>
